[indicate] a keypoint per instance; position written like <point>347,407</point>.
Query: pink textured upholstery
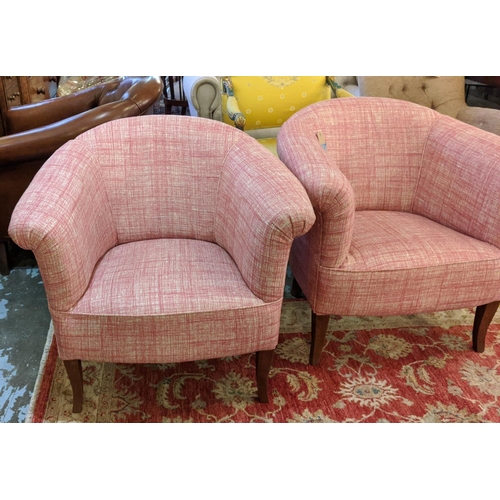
<point>162,239</point>
<point>407,208</point>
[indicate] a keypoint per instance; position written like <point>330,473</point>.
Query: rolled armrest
<point>143,92</point>
<point>459,183</point>
<point>330,193</point>
<point>65,219</point>
<point>32,116</point>
<point>43,127</point>
<point>41,142</point>
<point>231,105</point>
<point>483,118</point>
<point>204,96</point>
<point>261,209</point>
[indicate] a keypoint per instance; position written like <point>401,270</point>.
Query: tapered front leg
<point>263,362</point>
<point>319,325</point>
<point>75,375</point>
<point>4,263</point>
<point>482,320</point>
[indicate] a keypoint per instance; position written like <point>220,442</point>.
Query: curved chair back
<point>407,212</point>
<point>37,130</point>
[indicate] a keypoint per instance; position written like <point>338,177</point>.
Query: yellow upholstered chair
<point>259,105</point>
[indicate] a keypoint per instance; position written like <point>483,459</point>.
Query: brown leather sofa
<point>34,131</point>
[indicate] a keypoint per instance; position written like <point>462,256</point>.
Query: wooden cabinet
<point>19,90</point>
<point>11,91</point>
<point>42,87</point>
<point>27,89</point>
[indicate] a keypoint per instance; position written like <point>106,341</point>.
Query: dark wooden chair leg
<point>168,106</point>
<point>4,263</point>
<point>263,362</point>
<point>75,375</point>
<point>482,320</point>
<point>319,325</point>
<point>295,289</point>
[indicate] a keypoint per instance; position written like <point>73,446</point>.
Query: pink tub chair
<point>162,239</point>
<point>407,205</point>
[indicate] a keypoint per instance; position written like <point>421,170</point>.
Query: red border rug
<point>418,368</point>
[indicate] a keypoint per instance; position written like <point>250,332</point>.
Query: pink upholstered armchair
<point>162,239</point>
<point>407,205</point>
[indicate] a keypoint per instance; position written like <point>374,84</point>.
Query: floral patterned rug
<point>418,368</point>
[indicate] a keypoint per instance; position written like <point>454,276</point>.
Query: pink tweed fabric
<point>162,239</point>
<point>407,205</point>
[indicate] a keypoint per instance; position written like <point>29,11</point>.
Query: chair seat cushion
<point>270,144</point>
<point>166,300</point>
<point>385,240</point>
<point>400,263</point>
<point>165,276</point>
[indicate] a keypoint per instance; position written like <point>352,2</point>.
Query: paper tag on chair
<point>321,138</point>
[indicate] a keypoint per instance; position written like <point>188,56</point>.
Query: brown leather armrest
<point>43,113</point>
<point>42,142</point>
<point>142,91</point>
<point>94,106</point>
